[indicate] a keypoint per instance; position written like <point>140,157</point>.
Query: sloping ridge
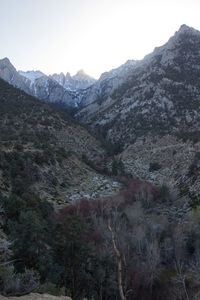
<point>154,115</point>
<point>43,151</point>
<point>160,93</point>
<point>37,84</point>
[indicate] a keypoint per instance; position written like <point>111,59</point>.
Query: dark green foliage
<point>117,167</point>
<point>71,243</point>
<point>28,139</point>
<point>30,226</point>
<point>154,166</point>
<point>184,190</point>
<point>195,201</point>
<point>195,165</point>
<point>111,148</point>
<point>188,135</point>
<point>72,248</point>
<point>17,284</point>
<point>164,192</point>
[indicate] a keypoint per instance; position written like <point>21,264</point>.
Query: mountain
<point>37,84</point>
<point>31,75</point>
<point>79,81</point>
<point>47,89</point>
<point>141,241</point>
<point>10,74</point>
<point>153,113</point>
<point>73,91</point>
<point>106,84</point>
<point>43,152</point>
<point>149,110</point>
<point>160,92</point>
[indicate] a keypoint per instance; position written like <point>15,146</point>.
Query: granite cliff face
<point>104,87</point>
<point>159,93</point>
<point>153,114</point>
<point>10,74</point>
<point>36,84</point>
<point>77,82</point>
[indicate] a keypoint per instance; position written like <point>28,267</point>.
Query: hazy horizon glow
<point>56,36</point>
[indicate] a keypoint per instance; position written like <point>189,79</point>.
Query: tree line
<point>123,247</point>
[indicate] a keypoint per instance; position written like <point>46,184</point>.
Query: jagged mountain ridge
<point>77,82</point>
<point>10,74</point>
<point>106,84</point>
<point>56,88</point>
<point>153,116</point>
<point>72,83</point>
<point>161,92</point>
<point>74,91</point>
<point>36,84</point>
<point>31,75</point>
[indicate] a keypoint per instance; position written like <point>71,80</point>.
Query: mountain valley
<point>100,179</point>
<point>48,146</point>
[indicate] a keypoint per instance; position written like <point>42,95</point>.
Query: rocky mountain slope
<point>44,152</point>
<point>10,74</point>
<point>104,87</point>
<point>166,160</point>
<point>74,91</point>
<point>152,104</point>
<point>149,110</point>
<point>160,93</point>
<point>153,113</point>
<point>37,84</point>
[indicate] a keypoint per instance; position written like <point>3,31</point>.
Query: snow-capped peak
<point>32,75</point>
<point>79,81</point>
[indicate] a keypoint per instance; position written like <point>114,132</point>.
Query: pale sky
<point>95,35</point>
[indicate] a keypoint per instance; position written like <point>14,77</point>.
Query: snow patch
<point>32,75</point>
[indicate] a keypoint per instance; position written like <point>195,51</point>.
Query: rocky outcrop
<point>77,82</point>
<point>166,160</point>
<point>10,74</point>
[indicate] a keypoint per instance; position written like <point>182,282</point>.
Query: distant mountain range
<point>176,61</point>
<point>148,109</point>
<point>79,81</point>
<point>57,88</point>
<point>123,173</point>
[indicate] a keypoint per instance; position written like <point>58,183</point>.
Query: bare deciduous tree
<point>119,258</point>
